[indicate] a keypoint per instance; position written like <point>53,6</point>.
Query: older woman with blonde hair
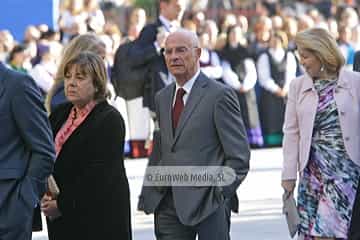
<point>93,200</point>
<point>321,138</point>
<point>86,42</point>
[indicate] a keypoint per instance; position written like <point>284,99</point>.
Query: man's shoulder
<point>216,87</point>
<point>16,81</point>
<point>151,27</point>
<point>162,92</point>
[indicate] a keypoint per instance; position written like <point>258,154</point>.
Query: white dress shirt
<point>187,87</point>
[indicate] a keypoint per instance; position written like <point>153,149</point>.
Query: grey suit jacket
<point>26,147</point>
<point>210,132</point>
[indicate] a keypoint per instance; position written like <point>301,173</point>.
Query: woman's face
<point>310,62</point>
<point>79,88</point>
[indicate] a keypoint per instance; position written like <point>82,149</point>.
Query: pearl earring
<point>322,68</point>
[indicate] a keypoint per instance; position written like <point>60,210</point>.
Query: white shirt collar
<point>169,26</point>
<point>187,86</point>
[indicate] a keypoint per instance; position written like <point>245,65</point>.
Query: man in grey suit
<point>200,125</point>
<point>26,153</point>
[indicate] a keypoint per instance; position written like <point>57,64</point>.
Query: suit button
<point>347,139</point>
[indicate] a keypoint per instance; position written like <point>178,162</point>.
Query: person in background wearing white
<point>44,72</point>
<point>276,68</point>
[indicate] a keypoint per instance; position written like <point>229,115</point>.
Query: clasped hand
<point>49,207</point>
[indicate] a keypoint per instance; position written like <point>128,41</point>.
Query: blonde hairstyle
<point>85,42</point>
<point>69,5</point>
<point>92,65</point>
<point>282,37</point>
<point>323,45</point>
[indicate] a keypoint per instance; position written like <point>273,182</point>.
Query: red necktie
<point>178,107</point>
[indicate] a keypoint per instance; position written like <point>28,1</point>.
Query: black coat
<point>89,170</point>
<point>145,53</point>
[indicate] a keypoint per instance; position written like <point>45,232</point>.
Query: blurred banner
<point>16,15</point>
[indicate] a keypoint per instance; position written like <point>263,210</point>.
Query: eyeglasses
<point>177,50</point>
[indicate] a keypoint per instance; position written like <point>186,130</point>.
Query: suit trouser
<point>15,216</point>
<point>168,226</point>
<point>22,232</point>
<point>354,231</point>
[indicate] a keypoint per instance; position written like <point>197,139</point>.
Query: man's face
<point>173,10</point>
<point>182,57</point>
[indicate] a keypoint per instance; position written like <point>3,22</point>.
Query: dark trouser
<point>354,231</point>
<point>19,233</point>
<point>168,226</point>
<point>15,215</point>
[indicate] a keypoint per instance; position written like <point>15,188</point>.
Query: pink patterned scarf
<point>74,120</point>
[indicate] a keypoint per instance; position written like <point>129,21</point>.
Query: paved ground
<point>260,216</point>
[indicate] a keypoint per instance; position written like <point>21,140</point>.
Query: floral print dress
<point>328,184</point>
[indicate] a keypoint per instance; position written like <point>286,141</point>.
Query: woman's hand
<point>288,185</point>
<point>49,207</point>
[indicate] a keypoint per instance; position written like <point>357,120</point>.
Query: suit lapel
<point>344,83</point>
<point>167,102</point>
<point>309,101</point>
<point>196,94</point>
<point>60,119</point>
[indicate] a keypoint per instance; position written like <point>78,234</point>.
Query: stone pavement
<point>260,216</point>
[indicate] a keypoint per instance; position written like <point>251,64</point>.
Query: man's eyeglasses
<point>177,50</point>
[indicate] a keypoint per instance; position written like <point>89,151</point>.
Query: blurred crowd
<point>247,45</point>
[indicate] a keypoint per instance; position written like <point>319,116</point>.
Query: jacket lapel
<point>309,101</point>
<point>344,83</point>
<point>167,101</point>
<point>196,94</point>
<point>85,125</point>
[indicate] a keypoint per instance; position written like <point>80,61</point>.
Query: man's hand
<point>161,37</point>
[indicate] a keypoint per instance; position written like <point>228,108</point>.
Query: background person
<point>94,201</point>
<point>240,73</point>
<point>147,50</point>
<point>321,138</point>
<point>276,69</point>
